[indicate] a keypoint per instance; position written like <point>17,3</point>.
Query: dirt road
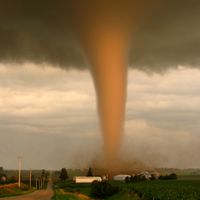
<point>38,195</point>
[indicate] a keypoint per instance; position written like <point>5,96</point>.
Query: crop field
<point>189,177</point>
<point>164,190</point>
<point>145,190</point>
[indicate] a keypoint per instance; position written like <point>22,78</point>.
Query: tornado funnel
<point>108,59</point>
<point>104,29</point>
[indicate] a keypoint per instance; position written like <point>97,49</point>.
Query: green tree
<point>43,173</point>
<point>90,173</point>
<point>1,171</point>
<point>173,176</point>
<point>63,174</point>
<point>103,189</point>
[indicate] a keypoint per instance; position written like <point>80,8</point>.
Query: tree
<point>43,173</point>
<point>3,176</point>
<point>63,174</point>
<point>127,179</point>
<point>1,171</point>
<point>90,172</point>
<point>13,179</point>
<point>173,176</point>
<point>103,189</point>
<point>153,177</point>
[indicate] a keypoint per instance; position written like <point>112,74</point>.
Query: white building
<point>86,179</point>
<point>121,177</point>
<point>145,174</point>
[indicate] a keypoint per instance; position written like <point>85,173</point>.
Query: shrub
<point>103,189</point>
<point>63,174</point>
<point>172,176</point>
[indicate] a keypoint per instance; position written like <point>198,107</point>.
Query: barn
<point>86,179</point>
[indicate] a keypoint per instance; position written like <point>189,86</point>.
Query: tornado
<point>105,29</point>
<point>108,59</point>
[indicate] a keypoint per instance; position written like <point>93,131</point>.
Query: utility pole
<point>30,178</point>
<point>20,168</point>
<point>36,180</point>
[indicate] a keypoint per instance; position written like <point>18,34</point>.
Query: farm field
<point>70,190</point>
<point>166,190</point>
<point>83,192</point>
<point>189,177</point>
<point>145,190</point>
<point>67,196</point>
<point>59,195</point>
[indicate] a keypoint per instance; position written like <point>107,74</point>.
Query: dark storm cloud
<point>37,31</point>
<point>171,37</point>
<point>40,31</point>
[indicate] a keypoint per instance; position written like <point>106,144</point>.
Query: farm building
<point>86,179</point>
<point>121,177</point>
<point>146,175</point>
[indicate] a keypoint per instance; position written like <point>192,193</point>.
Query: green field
<point>120,196</point>
<point>72,189</point>
<point>189,177</point>
<point>145,190</point>
<point>59,196</point>
<point>166,190</point>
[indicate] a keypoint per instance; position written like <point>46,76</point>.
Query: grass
<point>62,195</point>
<point>70,186</point>
<point>124,196</point>
<point>120,196</point>
<point>10,190</point>
<point>189,177</point>
<point>84,188</point>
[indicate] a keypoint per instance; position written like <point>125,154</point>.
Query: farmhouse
<point>121,177</point>
<point>86,179</point>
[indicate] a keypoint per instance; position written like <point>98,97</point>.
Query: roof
<point>87,177</point>
<point>122,175</point>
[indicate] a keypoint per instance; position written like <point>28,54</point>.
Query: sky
<point>48,109</point>
<point>48,116</point>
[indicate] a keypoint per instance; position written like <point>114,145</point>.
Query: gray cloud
<point>170,38</point>
<point>47,119</point>
<point>39,31</point>
<point>54,110</point>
